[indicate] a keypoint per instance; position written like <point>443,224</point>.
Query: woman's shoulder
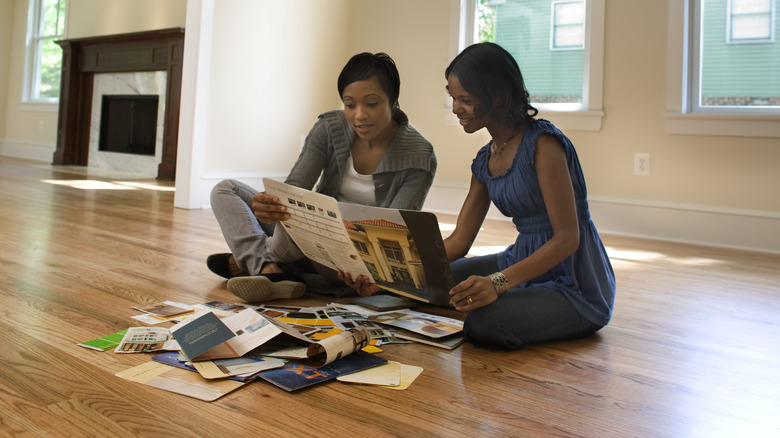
<point>541,126</point>
<point>479,166</point>
<point>408,138</point>
<point>332,126</point>
<point>331,117</point>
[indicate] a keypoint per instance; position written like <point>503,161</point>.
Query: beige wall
<point>716,171</point>
<point>31,127</point>
<point>416,34</point>
<point>105,17</point>
<point>6,34</point>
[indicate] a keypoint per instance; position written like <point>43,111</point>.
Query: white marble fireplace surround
<point>137,83</point>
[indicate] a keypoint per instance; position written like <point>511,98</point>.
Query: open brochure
<point>426,324</point>
<point>401,250</point>
<point>204,336</point>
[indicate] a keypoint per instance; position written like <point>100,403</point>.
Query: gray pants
<point>252,243</point>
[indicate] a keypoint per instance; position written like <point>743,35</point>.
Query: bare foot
<point>271,268</point>
<point>234,269</point>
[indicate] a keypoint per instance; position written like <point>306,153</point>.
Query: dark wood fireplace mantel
<point>82,58</point>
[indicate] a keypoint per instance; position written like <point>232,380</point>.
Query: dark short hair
<point>364,66</point>
<point>490,74</point>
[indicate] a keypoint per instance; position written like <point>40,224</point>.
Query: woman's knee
<point>221,188</point>
<point>484,326</point>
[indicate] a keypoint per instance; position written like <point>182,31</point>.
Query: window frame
<point>680,116</point>
<point>32,74</point>
<point>586,116</point>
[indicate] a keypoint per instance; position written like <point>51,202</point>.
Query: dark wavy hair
<point>366,65</point>
<point>490,74</point>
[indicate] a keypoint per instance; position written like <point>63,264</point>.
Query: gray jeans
<point>522,315</point>
<point>252,243</point>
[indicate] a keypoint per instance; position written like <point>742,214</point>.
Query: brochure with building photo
<point>402,250</point>
<point>426,324</point>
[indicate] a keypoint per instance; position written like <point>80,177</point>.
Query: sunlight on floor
<point>617,255</point>
<point>90,184</point>
<point>147,186</point>
<point>485,250</point>
<point>476,250</point>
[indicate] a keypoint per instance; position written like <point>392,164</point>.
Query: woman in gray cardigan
<point>367,153</point>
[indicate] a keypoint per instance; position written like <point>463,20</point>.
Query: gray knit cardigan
<point>402,179</point>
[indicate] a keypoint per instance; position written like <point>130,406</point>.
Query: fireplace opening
<point>128,124</point>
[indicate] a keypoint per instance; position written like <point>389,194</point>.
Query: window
<point>716,87</point>
<point>734,77</point>
<point>568,25</point>
<point>360,246</point>
<point>750,21</point>
<point>559,46</point>
<point>44,57</point>
<point>394,254</point>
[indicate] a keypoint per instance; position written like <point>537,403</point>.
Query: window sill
<point>563,120</point>
<point>738,125</point>
<point>574,120</point>
<point>44,107</point>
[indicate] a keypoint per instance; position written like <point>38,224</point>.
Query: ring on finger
<point>469,300</point>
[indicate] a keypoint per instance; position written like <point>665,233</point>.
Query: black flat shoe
<point>220,264</point>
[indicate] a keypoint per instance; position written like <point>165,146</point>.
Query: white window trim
<point>586,117</point>
<point>679,118</point>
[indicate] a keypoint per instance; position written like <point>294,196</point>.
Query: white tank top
<point>356,188</point>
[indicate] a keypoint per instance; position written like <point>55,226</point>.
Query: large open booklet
<point>402,250</point>
<point>204,336</point>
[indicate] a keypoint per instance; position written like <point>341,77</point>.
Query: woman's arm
<point>412,191</point>
<point>315,155</point>
<point>472,215</point>
<point>558,193</point>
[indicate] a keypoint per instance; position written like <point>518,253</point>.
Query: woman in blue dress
<point>555,282</point>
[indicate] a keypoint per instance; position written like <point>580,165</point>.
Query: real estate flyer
<point>402,250</point>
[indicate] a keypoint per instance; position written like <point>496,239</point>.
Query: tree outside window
<point>47,24</point>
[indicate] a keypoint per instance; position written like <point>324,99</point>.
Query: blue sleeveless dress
<point>585,278</point>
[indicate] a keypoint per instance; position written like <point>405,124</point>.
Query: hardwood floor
<point>692,350</point>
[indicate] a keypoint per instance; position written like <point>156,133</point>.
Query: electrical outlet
<point>642,164</point>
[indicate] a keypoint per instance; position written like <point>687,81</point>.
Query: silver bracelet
<point>499,282</point>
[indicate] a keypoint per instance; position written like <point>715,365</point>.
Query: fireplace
<point>128,123</point>
<point>131,65</point>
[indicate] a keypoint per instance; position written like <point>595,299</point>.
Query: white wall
<point>264,71</point>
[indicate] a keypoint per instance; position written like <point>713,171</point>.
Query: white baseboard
<point>201,195</point>
<point>27,150</point>
<point>748,230</point>
<point>702,225</point>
